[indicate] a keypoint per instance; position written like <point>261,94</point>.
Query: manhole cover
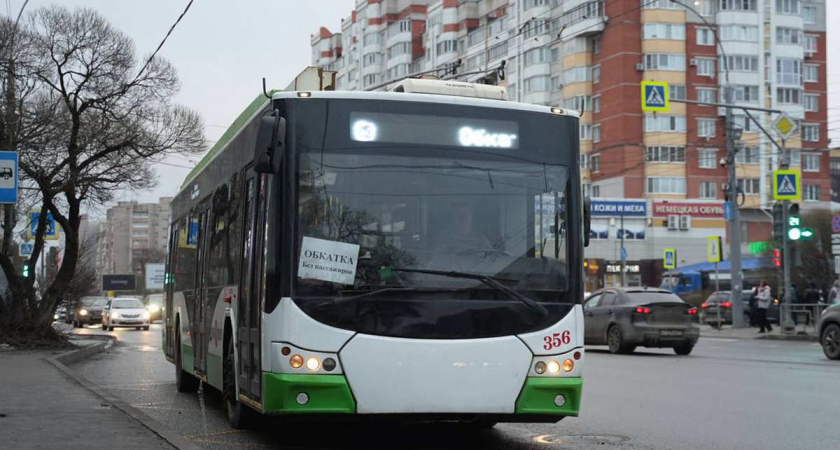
<point>582,439</point>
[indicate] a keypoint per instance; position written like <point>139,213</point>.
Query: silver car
<point>125,312</point>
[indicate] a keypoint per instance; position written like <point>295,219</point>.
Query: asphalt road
<point>728,394</point>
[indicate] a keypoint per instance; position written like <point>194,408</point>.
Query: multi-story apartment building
<point>592,55</point>
<point>133,234</point>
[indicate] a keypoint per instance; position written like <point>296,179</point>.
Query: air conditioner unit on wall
<point>640,67</point>
<point>685,222</point>
<point>692,62</point>
<point>673,222</point>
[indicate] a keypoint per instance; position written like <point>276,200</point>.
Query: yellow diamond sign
<point>784,125</point>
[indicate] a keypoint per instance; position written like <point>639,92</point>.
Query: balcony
<point>587,19</point>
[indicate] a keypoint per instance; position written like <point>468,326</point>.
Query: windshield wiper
<point>490,281</point>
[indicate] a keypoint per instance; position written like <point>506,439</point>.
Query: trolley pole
<point>735,224</point>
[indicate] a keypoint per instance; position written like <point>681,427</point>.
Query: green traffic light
<point>794,234</point>
<point>807,233</point>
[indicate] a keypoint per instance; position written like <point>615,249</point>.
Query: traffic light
<point>26,268</point>
<point>794,228</point>
<point>778,222</point>
<point>777,257</point>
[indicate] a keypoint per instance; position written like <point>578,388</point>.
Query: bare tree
<point>93,122</point>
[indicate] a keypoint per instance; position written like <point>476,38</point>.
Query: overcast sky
<point>223,48</point>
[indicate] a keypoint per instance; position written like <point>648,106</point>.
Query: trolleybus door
<point>199,330</point>
<point>248,315</point>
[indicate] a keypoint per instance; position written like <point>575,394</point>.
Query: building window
<point>537,83</point>
<point>708,189</point>
<point>663,123</point>
<point>748,155</point>
<point>706,127</point>
<point>737,5</point>
<point>670,31</point>
<point>536,27</point>
<point>811,73</point>
<point>660,4</point>
<point>536,56</point>
<point>596,133</point>
<point>785,35</point>
<point>596,191</point>
<point>665,61</point>
<point>795,158</point>
<point>587,190</point>
<point>534,3</point>
<point>810,132</point>
<point>400,48</point>
<point>665,154</point>
<point>596,45</point>
<point>810,45</point>
<point>705,36</point>
<point>812,102</point>
<point>584,161</point>
<point>596,74</point>
<point>447,47</point>
<point>787,6</point>
<point>555,55</point>
<point>745,93</point>
<point>497,51</point>
<point>810,162</point>
<point>707,158</point>
<point>676,92</point>
<point>812,193</point>
<point>739,63</point>
<point>706,95</point>
<point>809,14</point>
<point>747,33</point>
<point>788,96</point>
<point>705,67</point>
<point>665,185</point>
<point>556,83</point>
<point>789,71</point>
<point>595,163</point>
<point>578,103</point>
<point>596,103</point>
<point>586,132</point>
<point>749,186</point>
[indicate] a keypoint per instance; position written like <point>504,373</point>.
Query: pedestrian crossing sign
<point>670,258</point>
<point>655,96</point>
<point>713,249</point>
<point>787,185</point>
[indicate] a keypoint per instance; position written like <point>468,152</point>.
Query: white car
<point>125,312</point>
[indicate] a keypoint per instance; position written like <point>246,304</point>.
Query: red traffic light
<point>777,257</point>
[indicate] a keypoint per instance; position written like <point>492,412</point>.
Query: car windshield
<point>127,304</point>
<point>93,302</point>
<point>645,297</point>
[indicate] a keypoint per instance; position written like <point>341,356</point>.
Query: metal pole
<point>787,322</point>
<point>621,254</point>
<point>735,225</point>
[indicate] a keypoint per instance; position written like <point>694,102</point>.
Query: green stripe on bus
<point>539,394</point>
<point>326,393</point>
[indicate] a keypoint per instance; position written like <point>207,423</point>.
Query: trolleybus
<point>415,254</point>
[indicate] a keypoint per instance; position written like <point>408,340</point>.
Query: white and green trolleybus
<point>414,254</point>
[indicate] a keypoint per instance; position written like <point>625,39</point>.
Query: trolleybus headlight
<point>313,364</point>
<point>539,367</point>
<point>329,364</point>
<point>553,367</point>
<point>296,361</point>
<point>568,365</point>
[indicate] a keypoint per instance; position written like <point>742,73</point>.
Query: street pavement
<point>728,394</point>
<point>40,407</point>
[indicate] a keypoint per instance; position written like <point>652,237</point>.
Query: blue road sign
<point>654,96</point>
<point>727,211</point>
<point>786,185</point>
<point>8,177</point>
<point>51,232</point>
<point>26,249</point>
<point>623,254</point>
<point>670,258</point>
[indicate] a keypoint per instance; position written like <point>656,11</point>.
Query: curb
<point>61,361</point>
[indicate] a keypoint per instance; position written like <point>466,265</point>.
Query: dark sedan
<point>829,329</point>
<point>88,311</point>
<point>625,318</point>
<point>721,302</point>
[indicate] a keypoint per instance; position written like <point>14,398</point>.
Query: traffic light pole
<point>735,224</point>
<point>785,321</point>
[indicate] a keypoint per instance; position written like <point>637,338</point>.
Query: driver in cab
<point>464,235</point>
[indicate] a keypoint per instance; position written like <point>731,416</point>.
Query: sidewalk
<point>727,332</point>
<point>40,407</point>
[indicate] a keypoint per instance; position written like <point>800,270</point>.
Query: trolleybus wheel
<point>183,380</point>
<point>240,416</point>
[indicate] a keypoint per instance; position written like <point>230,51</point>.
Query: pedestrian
<point>763,302</point>
<point>834,294</point>
<point>753,317</point>
<point>813,295</point>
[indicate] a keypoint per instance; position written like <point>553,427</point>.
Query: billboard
<point>119,282</point>
<point>155,275</point>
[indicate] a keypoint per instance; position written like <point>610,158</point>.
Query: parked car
<point>60,314</point>
<point>125,312</point>
<point>625,318</point>
<point>154,304</point>
<point>722,301</point>
<point>829,331</point>
<point>88,310</point>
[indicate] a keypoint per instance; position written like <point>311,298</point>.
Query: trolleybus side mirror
<point>587,220</point>
<point>271,143</point>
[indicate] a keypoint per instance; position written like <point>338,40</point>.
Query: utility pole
<point>732,135</point>
<point>622,253</point>
<point>785,319</point>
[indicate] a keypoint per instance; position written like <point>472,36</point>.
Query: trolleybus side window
<point>217,267</point>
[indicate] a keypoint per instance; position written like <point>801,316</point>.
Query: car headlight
<point>55,316</point>
<point>146,315</point>
<point>115,315</point>
<point>83,312</point>
<point>154,308</point>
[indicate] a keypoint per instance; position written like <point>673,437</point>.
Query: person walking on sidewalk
<point>763,300</point>
<point>834,294</point>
